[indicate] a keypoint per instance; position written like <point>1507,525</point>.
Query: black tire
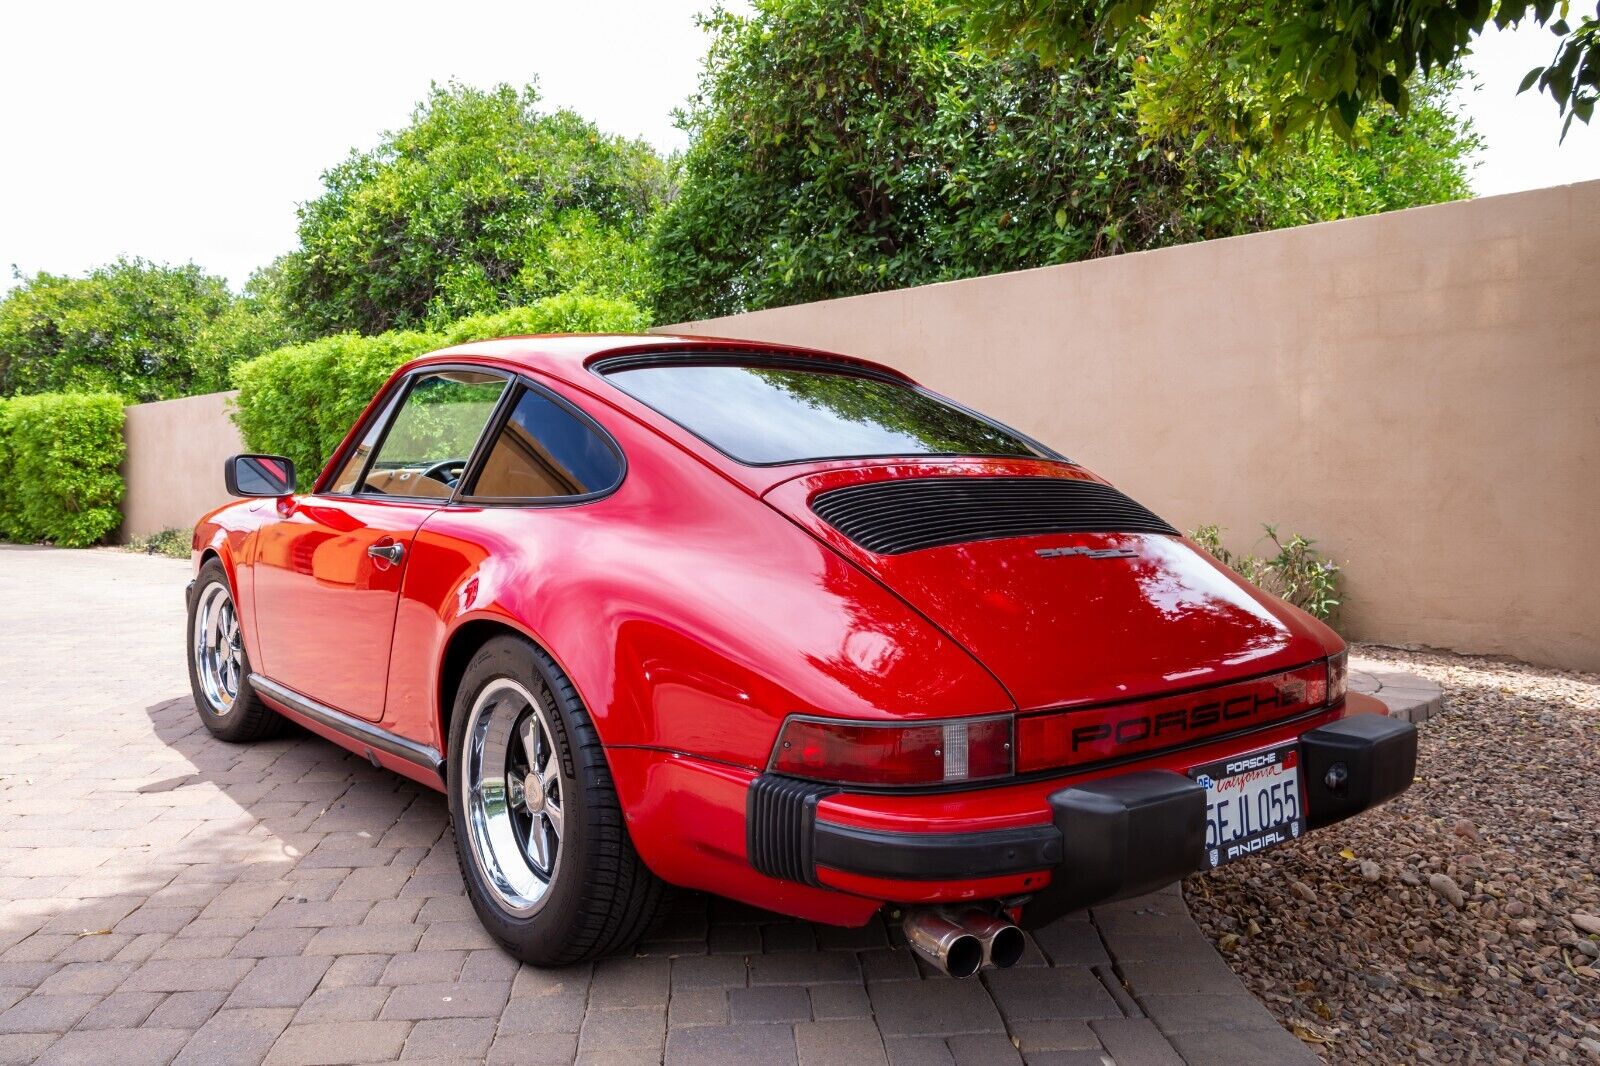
<point>244,717</point>
<point>599,897</point>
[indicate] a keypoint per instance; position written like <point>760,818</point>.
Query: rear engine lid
<point>1067,590</point>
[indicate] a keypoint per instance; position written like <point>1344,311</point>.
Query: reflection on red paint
<point>702,604</point>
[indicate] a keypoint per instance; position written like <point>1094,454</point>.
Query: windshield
<point>762,414</point>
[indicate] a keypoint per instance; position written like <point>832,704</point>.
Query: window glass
<point>349,475</point>
<point>545,450</point>
<point>779,414</point>
<point>427,446</point>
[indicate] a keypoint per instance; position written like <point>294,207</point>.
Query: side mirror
<point>258,475</point>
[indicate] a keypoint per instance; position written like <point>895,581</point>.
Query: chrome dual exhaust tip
<point>1003,943</point>
<point>962,942</point>
<point>942,942</point>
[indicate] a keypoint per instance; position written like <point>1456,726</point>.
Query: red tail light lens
<point>925,753</point>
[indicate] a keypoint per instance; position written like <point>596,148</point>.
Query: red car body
<point>705,602</point>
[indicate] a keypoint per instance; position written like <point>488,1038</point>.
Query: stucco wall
<point>173,469</point>
<point>1419,391</point>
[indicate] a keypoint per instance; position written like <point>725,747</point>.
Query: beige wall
<point>173,469</point>
<point>1419,391</point>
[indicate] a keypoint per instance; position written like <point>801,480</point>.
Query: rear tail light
<point>868,753</point>
<point>1338,676</point>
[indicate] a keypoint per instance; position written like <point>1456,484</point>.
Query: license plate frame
<point>1254,801</point>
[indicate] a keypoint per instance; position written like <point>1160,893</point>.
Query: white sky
<point>1523,132</point>
<point>187,130</point>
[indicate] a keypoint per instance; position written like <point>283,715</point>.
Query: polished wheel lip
<point>217,649</point>
<point>512,796</point>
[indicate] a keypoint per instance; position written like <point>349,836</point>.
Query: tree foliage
<point>1260,71</point>
<point>1394,163</point>
<point>482,203</point>
<point>138,329</point>
<point>846,147</point>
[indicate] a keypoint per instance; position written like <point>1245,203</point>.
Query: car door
<point>328,570</point>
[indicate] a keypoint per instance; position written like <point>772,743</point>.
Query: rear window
<point>761,414</point>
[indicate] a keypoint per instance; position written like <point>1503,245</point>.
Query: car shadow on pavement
<point>285,900</point>
<point>273,900</point>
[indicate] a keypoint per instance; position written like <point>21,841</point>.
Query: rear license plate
<point>1253,802</point>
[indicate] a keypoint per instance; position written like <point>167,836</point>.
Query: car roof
<point>566,356</point>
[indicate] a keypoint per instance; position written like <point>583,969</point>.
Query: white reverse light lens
<point>955,751</point>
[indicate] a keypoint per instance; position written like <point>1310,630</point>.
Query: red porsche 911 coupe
<point>777,624</point>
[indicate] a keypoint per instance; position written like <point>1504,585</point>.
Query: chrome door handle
<point>390,552</point>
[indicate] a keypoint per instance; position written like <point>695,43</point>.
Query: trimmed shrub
<point>300,401</point>
<point>60,455</point>
<point>7,484</point>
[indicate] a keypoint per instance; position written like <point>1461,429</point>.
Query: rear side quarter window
<point>546,450</point>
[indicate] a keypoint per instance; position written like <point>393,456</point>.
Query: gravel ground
<point>1459,923</point>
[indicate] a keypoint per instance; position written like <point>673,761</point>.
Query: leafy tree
<point>1257,71</point>
<point>851,146</point>
<point>138,329</point>
<point>483,202</point>
<point>1393,163</point>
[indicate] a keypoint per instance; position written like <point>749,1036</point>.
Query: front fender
<point>227,534</point>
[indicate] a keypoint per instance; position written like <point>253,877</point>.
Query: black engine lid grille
<point>893,517</point>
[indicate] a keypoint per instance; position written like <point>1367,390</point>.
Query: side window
<point>350,473</point>
<point>426,447</point>
<point>546,451</point>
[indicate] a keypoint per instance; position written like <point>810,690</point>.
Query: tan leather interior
<point>346,481</point>
<point>519,468</point>
<point>406,483</point>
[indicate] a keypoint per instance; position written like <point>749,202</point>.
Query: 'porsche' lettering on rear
<point>1177,722</point>
<point>1089,735</point>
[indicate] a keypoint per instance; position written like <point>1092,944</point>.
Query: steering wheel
<point>441,471</point>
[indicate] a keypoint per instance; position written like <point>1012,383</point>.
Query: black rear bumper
<point>1111,838</point>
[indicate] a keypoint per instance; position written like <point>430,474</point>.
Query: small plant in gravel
<point>1298,572</point>
<point>173,543</point>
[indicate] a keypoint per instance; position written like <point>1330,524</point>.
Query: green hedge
<point>60,455</point>
<point>300,401</point>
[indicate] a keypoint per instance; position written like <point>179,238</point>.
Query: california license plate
<point>1253,802</point>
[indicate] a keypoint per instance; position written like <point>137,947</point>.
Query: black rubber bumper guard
<point>1112,838</point>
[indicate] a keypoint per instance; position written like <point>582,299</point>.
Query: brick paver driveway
<point>165,896</point>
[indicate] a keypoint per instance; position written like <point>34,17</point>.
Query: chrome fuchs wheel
<point>511,794</point>
<point>543,845</point>
<point>219,665</point>
<point>218,654</point>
